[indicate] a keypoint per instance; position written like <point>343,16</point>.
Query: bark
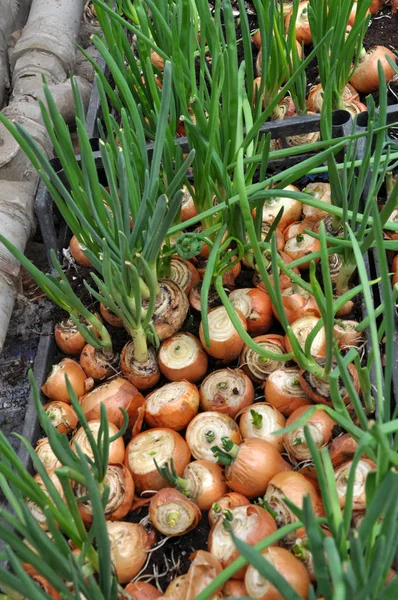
<point>47,45</point>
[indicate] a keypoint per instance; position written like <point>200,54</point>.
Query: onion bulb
<point>55,384</point>
<point>262,420</point>
<point>250,466</point>
<point>172,513</point>
<point>171,309</point>
<point>184,273</point>
<point>296,228</point>
<point>36,511</point>
<point>293,487</point>
<point>301,329</point>
<point>300,246</point>
<point>256,307</point>
<point>121,495</point>
<point>256,367</point>
<point>291,208</point>
<point>77,251</point>
<point>226,502</point>
<point>130,545</point>
<point>62,416</point>
<point>341,475</point>
<point>98,364</point>
<point>282,390</point>
<point>114,395</point>
<point>173,405</point>
<point>182,357</point>
<point>366,78</point>
<point>319,390</point>
<point>205,482</point>
<point>226,391</point>
<point>303,30</point>
<point>321,191</point>
<point>347,335</point>
<point>140,590</point>
<point>315,98</point>
<point>342,449</point>
<point>46,454</point>
<point>116,448</point>
<point>110,317</point>
<point>188,210</point>
<point>249,523</point>
<point>143,374</point>
<point>203,569</point>
<point>300,549</point>
<point>286,565</point>
<point>225,342</point>
<point>234,589</point>
<point>320,426</point>
<point>354,107</point>
<point>207,430</point>
<point>298,303</point>
<point>68,338</point>
<point>159,444</point>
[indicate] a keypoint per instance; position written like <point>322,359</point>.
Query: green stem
<point>140,344</point>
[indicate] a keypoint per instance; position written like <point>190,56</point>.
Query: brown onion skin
<point>285,403</point>
<point>70,415</point>
<point>227,501</point>
<point>260,318</point>
<point>90,361</point>
<point>171,320</point>
<point>342,449</point>
<point>69,342</point>
<point>142,383</point>
<point>303,31</point>
<point>314,104</point>
<point>41,582</point>
<point>296,254</point>
<point>115,394</point>
<point>129,559</point>
<point>271,337</point>
<point>188,211</point>
<point>207,498</point>
<point>265,526</point>
<point>77,253</point>
<point>234,589</point>
<point>203,569</point>
<point>284,280</point>
<point>297,306</point>
<point>318,398</point>
<point>55,385</point>
<point>166,496</point>
<point>153,480</point>
<point>218,402</point>
<point>124,508</point>
<point>226,350</point>
<point>178,413</point>
<point>253,468</point>
<point>193,372</point>
<point>140,590</point>
<point>110,317</point>
<point>320,418</point>
<point>290,568</point>
<point>116,448</point>
<point>365,78</point>
<point>295,487</point>
<point>358,502</point>
<point>194,273</point>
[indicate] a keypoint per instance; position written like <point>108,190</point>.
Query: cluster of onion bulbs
<point>364,80</point>
<point>180,425</point>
